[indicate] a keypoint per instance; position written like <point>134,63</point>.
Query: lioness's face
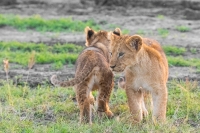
<point>124,51</point>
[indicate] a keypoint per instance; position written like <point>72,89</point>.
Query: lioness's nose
<point>112,66</point>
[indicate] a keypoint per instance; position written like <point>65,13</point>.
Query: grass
<point>163,32</point>
<point>38,23</point>
<point>183,28</point>
<point>161,17</point>
<point>47,109</point>
<point>174,50</point>
<point>180,61</point>
<point>57,54</point>
<point>193,50</point>
<point>140,32</point>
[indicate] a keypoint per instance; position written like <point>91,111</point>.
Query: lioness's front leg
<point>159,96</point>
<point>135,103</point>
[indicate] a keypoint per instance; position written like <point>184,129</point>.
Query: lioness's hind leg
<point>84,102</point>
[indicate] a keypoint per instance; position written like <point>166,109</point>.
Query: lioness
<point>146,69</point>
<point>92,73</point>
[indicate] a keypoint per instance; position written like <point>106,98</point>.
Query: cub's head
<point>93,37</point>
<point>124,50</point>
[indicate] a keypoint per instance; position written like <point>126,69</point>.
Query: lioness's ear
<point>117,32</point>
<point>134,43</point>
<point>89,32</point>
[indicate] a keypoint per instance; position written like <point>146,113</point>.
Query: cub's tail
<point>87,69</point>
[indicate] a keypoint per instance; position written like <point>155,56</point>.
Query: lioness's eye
<point>121,54</point>
<point>110,53</point>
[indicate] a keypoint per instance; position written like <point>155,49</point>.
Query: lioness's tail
<point>87,69</point>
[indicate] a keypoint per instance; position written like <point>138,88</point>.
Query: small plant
<point>163,32</point>
<point>161,17</point>
<point>125,31</point>
<point>183,28</point>
<point>140,32</point>
<point>57,65</point>
<point>193,50</point>
<point>31,63</point>
<point>6,67</point>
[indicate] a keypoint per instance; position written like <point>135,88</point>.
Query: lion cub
<point>146,69</point>
<point>92,73</point>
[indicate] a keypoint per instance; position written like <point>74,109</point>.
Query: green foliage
<point>163,32</point>
<point>58,54</point>
<point>183,28</point>
<point>38,23</point>
<point>174,50</point>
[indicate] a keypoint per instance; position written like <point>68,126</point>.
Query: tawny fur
<point>146,69</point>
<point>92,73</point>
<point>147,101</point>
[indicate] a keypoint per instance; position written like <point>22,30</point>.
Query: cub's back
<point>155,45</point>
<point>92,56</point>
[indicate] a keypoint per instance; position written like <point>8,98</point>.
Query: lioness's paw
<point>54,80</point>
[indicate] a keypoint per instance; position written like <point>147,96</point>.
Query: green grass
<point>161,17</point>
<point>57,54</point>
<point>125,31</point>
<point>180,61</point>
<point>38,23</point>
<point>174,50</point>
<point>182,28</point>
<point>163,32</point>
<point>140,32</point>
<point>193,50</point>
<point>46,109</point>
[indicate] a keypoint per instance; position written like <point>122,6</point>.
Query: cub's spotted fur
<point>92,73</point>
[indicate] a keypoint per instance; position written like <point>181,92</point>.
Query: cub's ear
<point>111,34</point>
<point>134,43</point>
<point>89,32</point>
<point>117,32</point>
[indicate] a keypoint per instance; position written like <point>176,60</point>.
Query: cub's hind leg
<point>84,102</point>
<point>106,85</point>
<point>159,96</point>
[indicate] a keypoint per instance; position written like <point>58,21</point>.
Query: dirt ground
<point>141,16</point>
